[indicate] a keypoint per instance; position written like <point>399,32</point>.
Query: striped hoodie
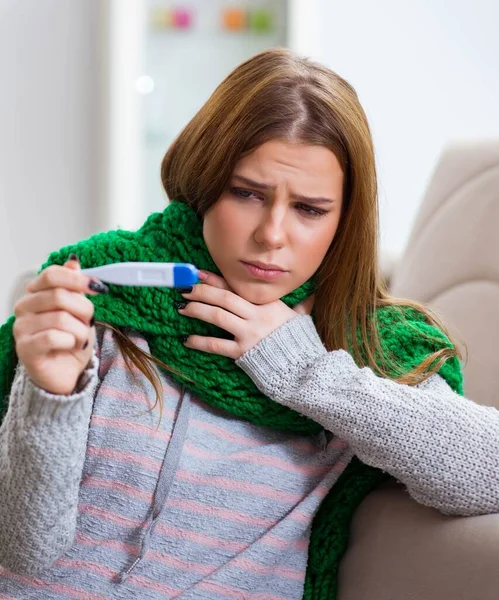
<point>101,499</point>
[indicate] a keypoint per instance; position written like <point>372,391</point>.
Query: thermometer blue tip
<point>184,275</point>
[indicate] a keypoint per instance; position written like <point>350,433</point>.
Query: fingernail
<point>181,305</point>
<point>98,286</point>
<point>185,290</point>
<point>74,257</point>
<point>92,321</point>
<point>85,345</point>
<point>183,339</point>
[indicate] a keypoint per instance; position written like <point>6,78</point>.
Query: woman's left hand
<point>214,302</point>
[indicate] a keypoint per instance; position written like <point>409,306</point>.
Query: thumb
<point>305,307</point>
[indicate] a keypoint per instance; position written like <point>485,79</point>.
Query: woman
<point>243,481</point>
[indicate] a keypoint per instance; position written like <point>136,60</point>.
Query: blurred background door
<point>180,52</point>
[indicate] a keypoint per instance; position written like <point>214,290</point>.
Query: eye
<point>311,211</point>
<point>244,194</point>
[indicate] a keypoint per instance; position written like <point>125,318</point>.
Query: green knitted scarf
<point>175,235</point>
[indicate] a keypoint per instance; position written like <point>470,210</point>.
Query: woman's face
<point>281,210</point>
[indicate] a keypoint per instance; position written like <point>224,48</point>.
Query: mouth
<point>267,272</point>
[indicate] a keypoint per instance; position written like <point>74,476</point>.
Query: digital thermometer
<point>146,274</point>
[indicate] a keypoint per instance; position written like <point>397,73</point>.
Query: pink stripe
<point>339,467</point>
<point>258,459</point>
<point>132,426</point>
<point>184,534</point>
<point>110,574</point>
<point>201,538</point>
<point>187,505</point>
<point>224,434</point>
<point>307,446</point>
<point>117,359</point>
<point>271,539</point>
<point>196,537</point>
<point>138,397</point>
<point>109,516</point>
<point>114,393</point>
<point>118,362</point>
<point>300,516</point>
<point>223,513</point>
<point>253,489</point>
<point>254,567</point>
<point>127,425</point>
<point>127,396</point>
<point>86,540</point>
<point>231,592</point>
<point>177,563</point>
<point>221,433</point>
<point>126,457</point>
<point>55,587</point>
<point>247,457</point>
<point>195,507</point>
<point>124,488</point>
<point>162,588</point>
<point>203,569</point>
<point>161,557</point>
<point>82,565</point>
<point>118,394</point>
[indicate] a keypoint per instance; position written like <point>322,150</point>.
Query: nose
<point>271,231</point>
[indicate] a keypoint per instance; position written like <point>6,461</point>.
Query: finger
<point>32,324</point>
<point>305,307</point>
<point>212,345</point>
<point>46,341</point>
<point>67,276</point>
<point>56,299</point>
<point>214,280</point>
<point>222,298</point>
<point>73,263</point>
<point>214,315</point>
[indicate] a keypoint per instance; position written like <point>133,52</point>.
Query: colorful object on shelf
<point>160,18</point>
<point>182,18</point>
<point>234,19</point>
<point>261,20</point>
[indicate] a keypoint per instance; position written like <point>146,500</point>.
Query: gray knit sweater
<point>96,499</point>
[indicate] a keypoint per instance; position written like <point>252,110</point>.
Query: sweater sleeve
<point>42,449</point>
<point>443,447</point>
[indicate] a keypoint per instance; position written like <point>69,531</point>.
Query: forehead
<point>277,162</point>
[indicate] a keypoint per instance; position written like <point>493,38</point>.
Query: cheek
<point>223,230</point>
<point>314,248</point>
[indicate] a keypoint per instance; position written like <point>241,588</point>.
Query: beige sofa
<point>400,550</point>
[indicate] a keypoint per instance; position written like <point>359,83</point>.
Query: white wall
<point>49,130</point>
<point>427,71</point>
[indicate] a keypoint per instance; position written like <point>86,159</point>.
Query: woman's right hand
<point>54,328</point>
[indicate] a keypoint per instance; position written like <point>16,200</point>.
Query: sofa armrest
<point>401,550</point>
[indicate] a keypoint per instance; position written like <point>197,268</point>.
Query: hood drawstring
<point>165,479</point>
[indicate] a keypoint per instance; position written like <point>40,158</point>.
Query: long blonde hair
<point>280,95</point>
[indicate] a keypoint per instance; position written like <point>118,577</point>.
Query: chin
<point>258,293</point>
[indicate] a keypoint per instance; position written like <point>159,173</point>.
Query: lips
<point>264,274</point>
<point>265,266</point>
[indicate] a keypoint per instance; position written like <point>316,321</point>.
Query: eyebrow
<point>268,186</point>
